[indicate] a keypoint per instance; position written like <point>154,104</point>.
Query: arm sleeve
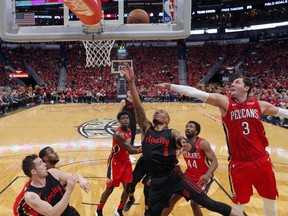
<point>190,91</point>
<point>282,113</point>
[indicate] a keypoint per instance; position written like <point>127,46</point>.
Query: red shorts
<point>258,173</point>
<point>119,171</point>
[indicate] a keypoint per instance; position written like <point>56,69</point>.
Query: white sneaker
<point>98,213</point>
<point>132,158</point>
<point>116,213</point>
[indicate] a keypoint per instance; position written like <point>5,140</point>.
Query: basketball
<point>138,16</point>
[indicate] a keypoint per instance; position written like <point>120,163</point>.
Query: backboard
<point>117,65</point>
<point>113,24</point>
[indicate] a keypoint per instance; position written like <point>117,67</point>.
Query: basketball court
<point>81,135</point>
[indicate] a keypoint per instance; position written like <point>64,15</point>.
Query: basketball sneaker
<point>98,213</point>
<point>118,212</point>
<point>129,204</point>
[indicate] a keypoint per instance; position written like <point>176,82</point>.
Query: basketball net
<point>98,52</point>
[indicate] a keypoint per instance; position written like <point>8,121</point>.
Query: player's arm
<point>206,148</point>
<point>210,98</point>
<point>45,208</point>
<point>121,105</point>
<point>64,176</point>
<point>141,118</point>
<point>182,142</point>
<point>120,138</point>
<point>270,109</point>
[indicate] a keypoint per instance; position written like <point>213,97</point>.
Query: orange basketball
<point>138,16</point>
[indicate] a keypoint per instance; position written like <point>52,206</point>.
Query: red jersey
<point>244,130</point>
<point>118,152</point>
<point>197,162</point>
<point>119,167</point>
<point>20,207</point>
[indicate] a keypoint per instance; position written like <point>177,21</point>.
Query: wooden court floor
<point>57,126</point>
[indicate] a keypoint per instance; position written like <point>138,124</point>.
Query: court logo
<point>98,128</point>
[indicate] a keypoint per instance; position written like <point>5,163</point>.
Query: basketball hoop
<point>98,52</point>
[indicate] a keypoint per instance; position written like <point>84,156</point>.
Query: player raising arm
<point>159,144</point>
<point>246,140</point>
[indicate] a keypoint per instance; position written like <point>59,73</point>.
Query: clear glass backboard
<point>67,27</point>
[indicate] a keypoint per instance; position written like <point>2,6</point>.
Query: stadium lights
<point>246,28</point>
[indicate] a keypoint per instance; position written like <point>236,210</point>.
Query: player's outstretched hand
<point>163,85</point>
<point>128,72</point>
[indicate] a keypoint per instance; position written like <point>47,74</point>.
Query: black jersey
<point>129,107</point>
<point>52,193</point>
<point>159,151</point>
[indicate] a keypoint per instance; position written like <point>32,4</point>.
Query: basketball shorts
<point>119,172</point>
<point>139,173</point>
<point>258,173</point>
<point>177,182</point>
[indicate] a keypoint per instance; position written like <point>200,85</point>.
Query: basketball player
<point>200,165</point>
<point>246,140</point>
<point>119,165</point>
<point>159,144</point>
<point>127,105</point>
<point>45,194</point>
<point>50,158</point>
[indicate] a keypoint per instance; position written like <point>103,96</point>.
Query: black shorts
<point>177,182</point>
<point>140,171</point>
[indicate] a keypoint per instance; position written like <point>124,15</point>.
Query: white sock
<point>270,208</point>
<point>238,208</point>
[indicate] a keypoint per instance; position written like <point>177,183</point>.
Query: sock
<point>121,205</point>
<point>270,208</point>
<point>100,206</point>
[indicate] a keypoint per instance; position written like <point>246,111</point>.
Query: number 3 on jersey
<point>246,129</point>
<point>193,164</point>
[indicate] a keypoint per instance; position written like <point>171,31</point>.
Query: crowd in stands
<point>240,18</point>
<point>267,64</point>
<point>13,99</point>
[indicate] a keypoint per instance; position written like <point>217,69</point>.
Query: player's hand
<point>204,179</point>
<point>128,72</point>
<point>140,150</point>
<point>71,182</point>
<point>84,184</point>
<point>163,85</point>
